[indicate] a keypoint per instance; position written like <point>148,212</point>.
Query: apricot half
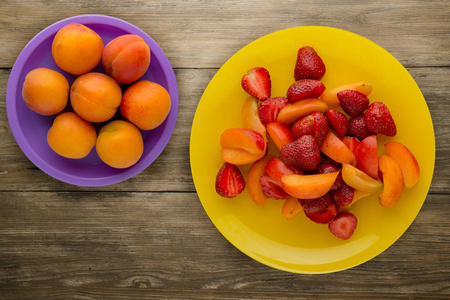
<point>308,186</point>
<point>294,111</point>
<point>407,162</point>
<point>359,180</point>
<point>335,149</point>
<point>254,187</point>
<point>392,181</point>
<point>250,116</point>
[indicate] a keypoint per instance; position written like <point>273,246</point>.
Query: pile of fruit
<point>327,142</point>
<point>97,97</point>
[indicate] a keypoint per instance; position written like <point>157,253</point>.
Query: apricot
<point>238,156</point>
<point>45,91</point>
<point>291,208</point>
<point>280,134</point>
<point>335,149</point>
<point>359,180</point>
<point>330,96</point>
<point>366,154</point>
<point>392,180</point>
<point>70,136</point>
<point>126,58</point>
<point>77,49</point>
<point>250,116</point>
<point>254,187</point>
<point>407,162</point>
<point>308,186</point>
<point>145,104</point>
<point>242,146</point>
<point>120,144</point>
<point>294,111</point>
<point>95,97</point>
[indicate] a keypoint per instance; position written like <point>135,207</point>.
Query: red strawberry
<point>269,109</point>
<point>315,124</point>
<point>305,88</point>
<point>325,216</point>
<point>303,153</point>
<point>337,121</point>
<point>343,225</point>
<point>229,181</point>
<point>271,188</point>
<point>379,120</point>
<point>353,102</point>
<point>309,65</point>
<point>257,83</point>
<point>351,142</point>
<point>343,196</point>
<point>316,205</point>
<point>357,127</point>
<point>326,160</point>
<point>329,168</point>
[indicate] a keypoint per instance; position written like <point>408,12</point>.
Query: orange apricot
<point>392,180</point>
<point>250,116</point>
<point>308,186</point>
<point>254,187</point>
<point>335,149</point>
<point>359,180</point>
<point>291,208</point>
<point>407,162</point>
<point>330,96</point>
<point>294,111</point>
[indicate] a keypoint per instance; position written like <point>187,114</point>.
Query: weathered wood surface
<point>149,237</point>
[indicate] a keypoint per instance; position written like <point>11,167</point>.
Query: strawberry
<point>304,88</point>
<point>337,121</point>
<point>303,153</point>
<point>326,160</point>
<point>329,168</point>
<point>229,181</point>
<point>325,216</point>
<point>343,225</point>
<point>269,109</point>
<point>351,142</point>
<point>309,65</point>
<point>271,188</point>
<point>316,205</point>
<point>343,196</point>
<point>379,120</point>
<point>353,102</point>
<point>357,127</point>
<point>315,124</point>
<point>256,82</point>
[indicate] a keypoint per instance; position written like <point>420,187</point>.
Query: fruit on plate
<point>77,49</point>
<point>325,168</point>
<point>95,97</point>
<point>378,119</point>
<point>343,196</point>
<point>316,205</point>
<point>242,146</point>
<point>276,168</point>
<point>309,65</point>
<point>335,149</point>
<point>315,124</point>
<point>308,186</point>
<point>357,127</point>
<point>294,111</point>
<point>353,102</point>
<point>280,134</point>
<point>256,82</point>
<point>271,188</point>
<point>254,187</point>
<point>343,225</point>
<point>71,136</point>
<point>291,208</point>
<point>45,91</point>
<point>359,180</point>
<point>229,181</point>
<point>146,104</point>
<point>366,154</point>
<point>270,108</point>
<point>250,116</point>
<point>325,216</point>
<point>303,89</point>
<point>330,97</point>
<point>303,153</point>
<point>407,162</point>
<point>119,144</point>
<point>351,142</point>
<point>392,178</point>
<point>337,121</point>
<point>126,58</point>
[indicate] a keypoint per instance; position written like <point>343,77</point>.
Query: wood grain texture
<point>149,237</point>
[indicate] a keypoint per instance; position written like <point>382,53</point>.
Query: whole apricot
<point>146,104</point>
<point>126,58</point>
<point>77,49</point>
<point>119,144</point>
<point>70,136</point>
<point>45,91</point>
<point>95,97</point>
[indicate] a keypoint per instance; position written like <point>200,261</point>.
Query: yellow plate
<point>300,245</point>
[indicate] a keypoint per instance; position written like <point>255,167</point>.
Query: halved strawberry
<point>353,102</point>
<point>357,127</point>
<point>269,109</point>
<point>315,124</point>
<point>329,168</point>
<point>257,83</point>
<point>351,142</point>
<point>271,188</point>
<point>379,120</point>
<point>337,121</point>
<point>229,181</point>
<point>305,88</point>
<point>276,168</point>
<point>325,216</point>
<point>303,153</point>
<point>343,225</point>
<point>343,196</point>
<point>309,65</point>
<point>316,205</point>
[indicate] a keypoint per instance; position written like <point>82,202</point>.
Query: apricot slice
<point>254,187</point>
<point>367,156</point>
<point>308,186</point>
<point>392,180</point>
<point>237,156</point>
<point>243,138</point>
<point>294,111</point>
<point>280,134</point>
<point>330,97</point>
<point>359,180</point>
<point>407,162</point>
<point>250,116</point>
<point>291,208</point>
<point>335,149</point>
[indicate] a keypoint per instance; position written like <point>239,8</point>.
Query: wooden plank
<point>93,245</point>
<point>416,32</point>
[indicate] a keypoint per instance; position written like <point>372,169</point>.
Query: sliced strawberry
<point>337,121</point>
<point>309,65</point>
<point>325,216</point>
<point>229,181</point>
<point>343,225</point>
<point>271,188</point>
<point>276,168</point>
<point>353,102</point>
<point>269,109</point>
<point>303,89</point>
<point>343,196</point>
<point>329,168</point>
<point>303,153</point>
<point>351,142</point>
<point>315,124</point>
<point>379,120</point>
<point>256,82</point>
<point>357,127</point>
<point>316,205</point>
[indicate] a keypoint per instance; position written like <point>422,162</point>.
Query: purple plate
<point>30,129</point>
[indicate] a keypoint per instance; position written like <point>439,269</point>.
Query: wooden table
<point>149,237</point>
